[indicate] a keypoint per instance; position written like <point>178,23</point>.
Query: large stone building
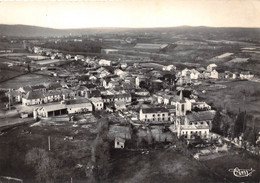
<point>154,114</point>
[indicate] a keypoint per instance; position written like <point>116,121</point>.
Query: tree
<point>216,122</point>
<point>239,124</point>
<point>45,166</point>
<point>101,153</point>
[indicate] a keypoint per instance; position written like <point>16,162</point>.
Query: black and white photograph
<point>128,91</point>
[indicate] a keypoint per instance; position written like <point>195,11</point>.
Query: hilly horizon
<point>19,30</point>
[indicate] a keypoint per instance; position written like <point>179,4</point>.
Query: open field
<point>6,74</point>
<point>167,165</point>
<point>28,79</point>
<point>231,97</point>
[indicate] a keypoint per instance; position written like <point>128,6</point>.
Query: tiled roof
<point>34,95</point>
<point>38,87</point>
<point>155,110</point>
<point>54,107</point>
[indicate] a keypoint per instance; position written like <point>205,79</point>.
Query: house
<point>123,65</point>
<point>194,74</point>
<point>79,57</point>
<point>104,62</point>
<point>211,67</point>
<point>79,105</point>
<point>119,143</point>
<point>120,73</point>
<point>214,74</point>
<point>68,56</point>
<point>103,72</point>
<point>125,97</point>
<point>141,92</point>
<point>154,114</point>
<point>169,68</point>
<point>97,103</point>
<point>52,96</point>
<point>51,110</point>
<point>33,98</point>
<point>200,106</point>
<point>246,75</point>
<point>14,95</point>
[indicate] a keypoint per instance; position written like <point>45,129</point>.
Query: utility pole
<point>49,142</point>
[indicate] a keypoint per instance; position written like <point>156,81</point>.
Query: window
<point>163,114</point>
<point>159,115</point>
<point>145,116</point>
<point>163,119</point>
<point>153,115</point>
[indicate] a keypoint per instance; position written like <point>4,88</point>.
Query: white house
<point>169,68</point>
<point>98,103</point>
<point>104,62</point>
<point>246,75</point>
<point>214,74</point>
<point>211,67</point>
<point>194,74</point>
<point>78,106</point>
<point>79,57</point>
<point>119,143</point>
<point>154,114</point>
<point>51,110</point>
<point>33,98</point>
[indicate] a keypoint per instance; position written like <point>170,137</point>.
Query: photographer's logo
<point>241,172</point>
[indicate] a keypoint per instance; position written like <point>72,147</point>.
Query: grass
<point>6,74</point>
<point>240,160</point>
<point>15,144</point>
<point>158,166</point>
<point>28,79</point>
<point>232,97</point>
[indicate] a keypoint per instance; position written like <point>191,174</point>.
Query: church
<point>191,124</point>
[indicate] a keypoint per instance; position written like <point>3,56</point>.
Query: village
<point>159,103</point>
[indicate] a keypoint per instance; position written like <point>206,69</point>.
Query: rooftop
<point>201,116</point>
<point>155,110</point>
<point>54,107</point>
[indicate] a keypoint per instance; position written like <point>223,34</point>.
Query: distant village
<point>159,99</point>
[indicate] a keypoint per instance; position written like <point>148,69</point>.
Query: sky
<point>132,13</point>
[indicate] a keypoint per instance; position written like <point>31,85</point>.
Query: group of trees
<point>71,46</point>
<point>46,167</point>
<point>234,125</point>
<point>101,154</point>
